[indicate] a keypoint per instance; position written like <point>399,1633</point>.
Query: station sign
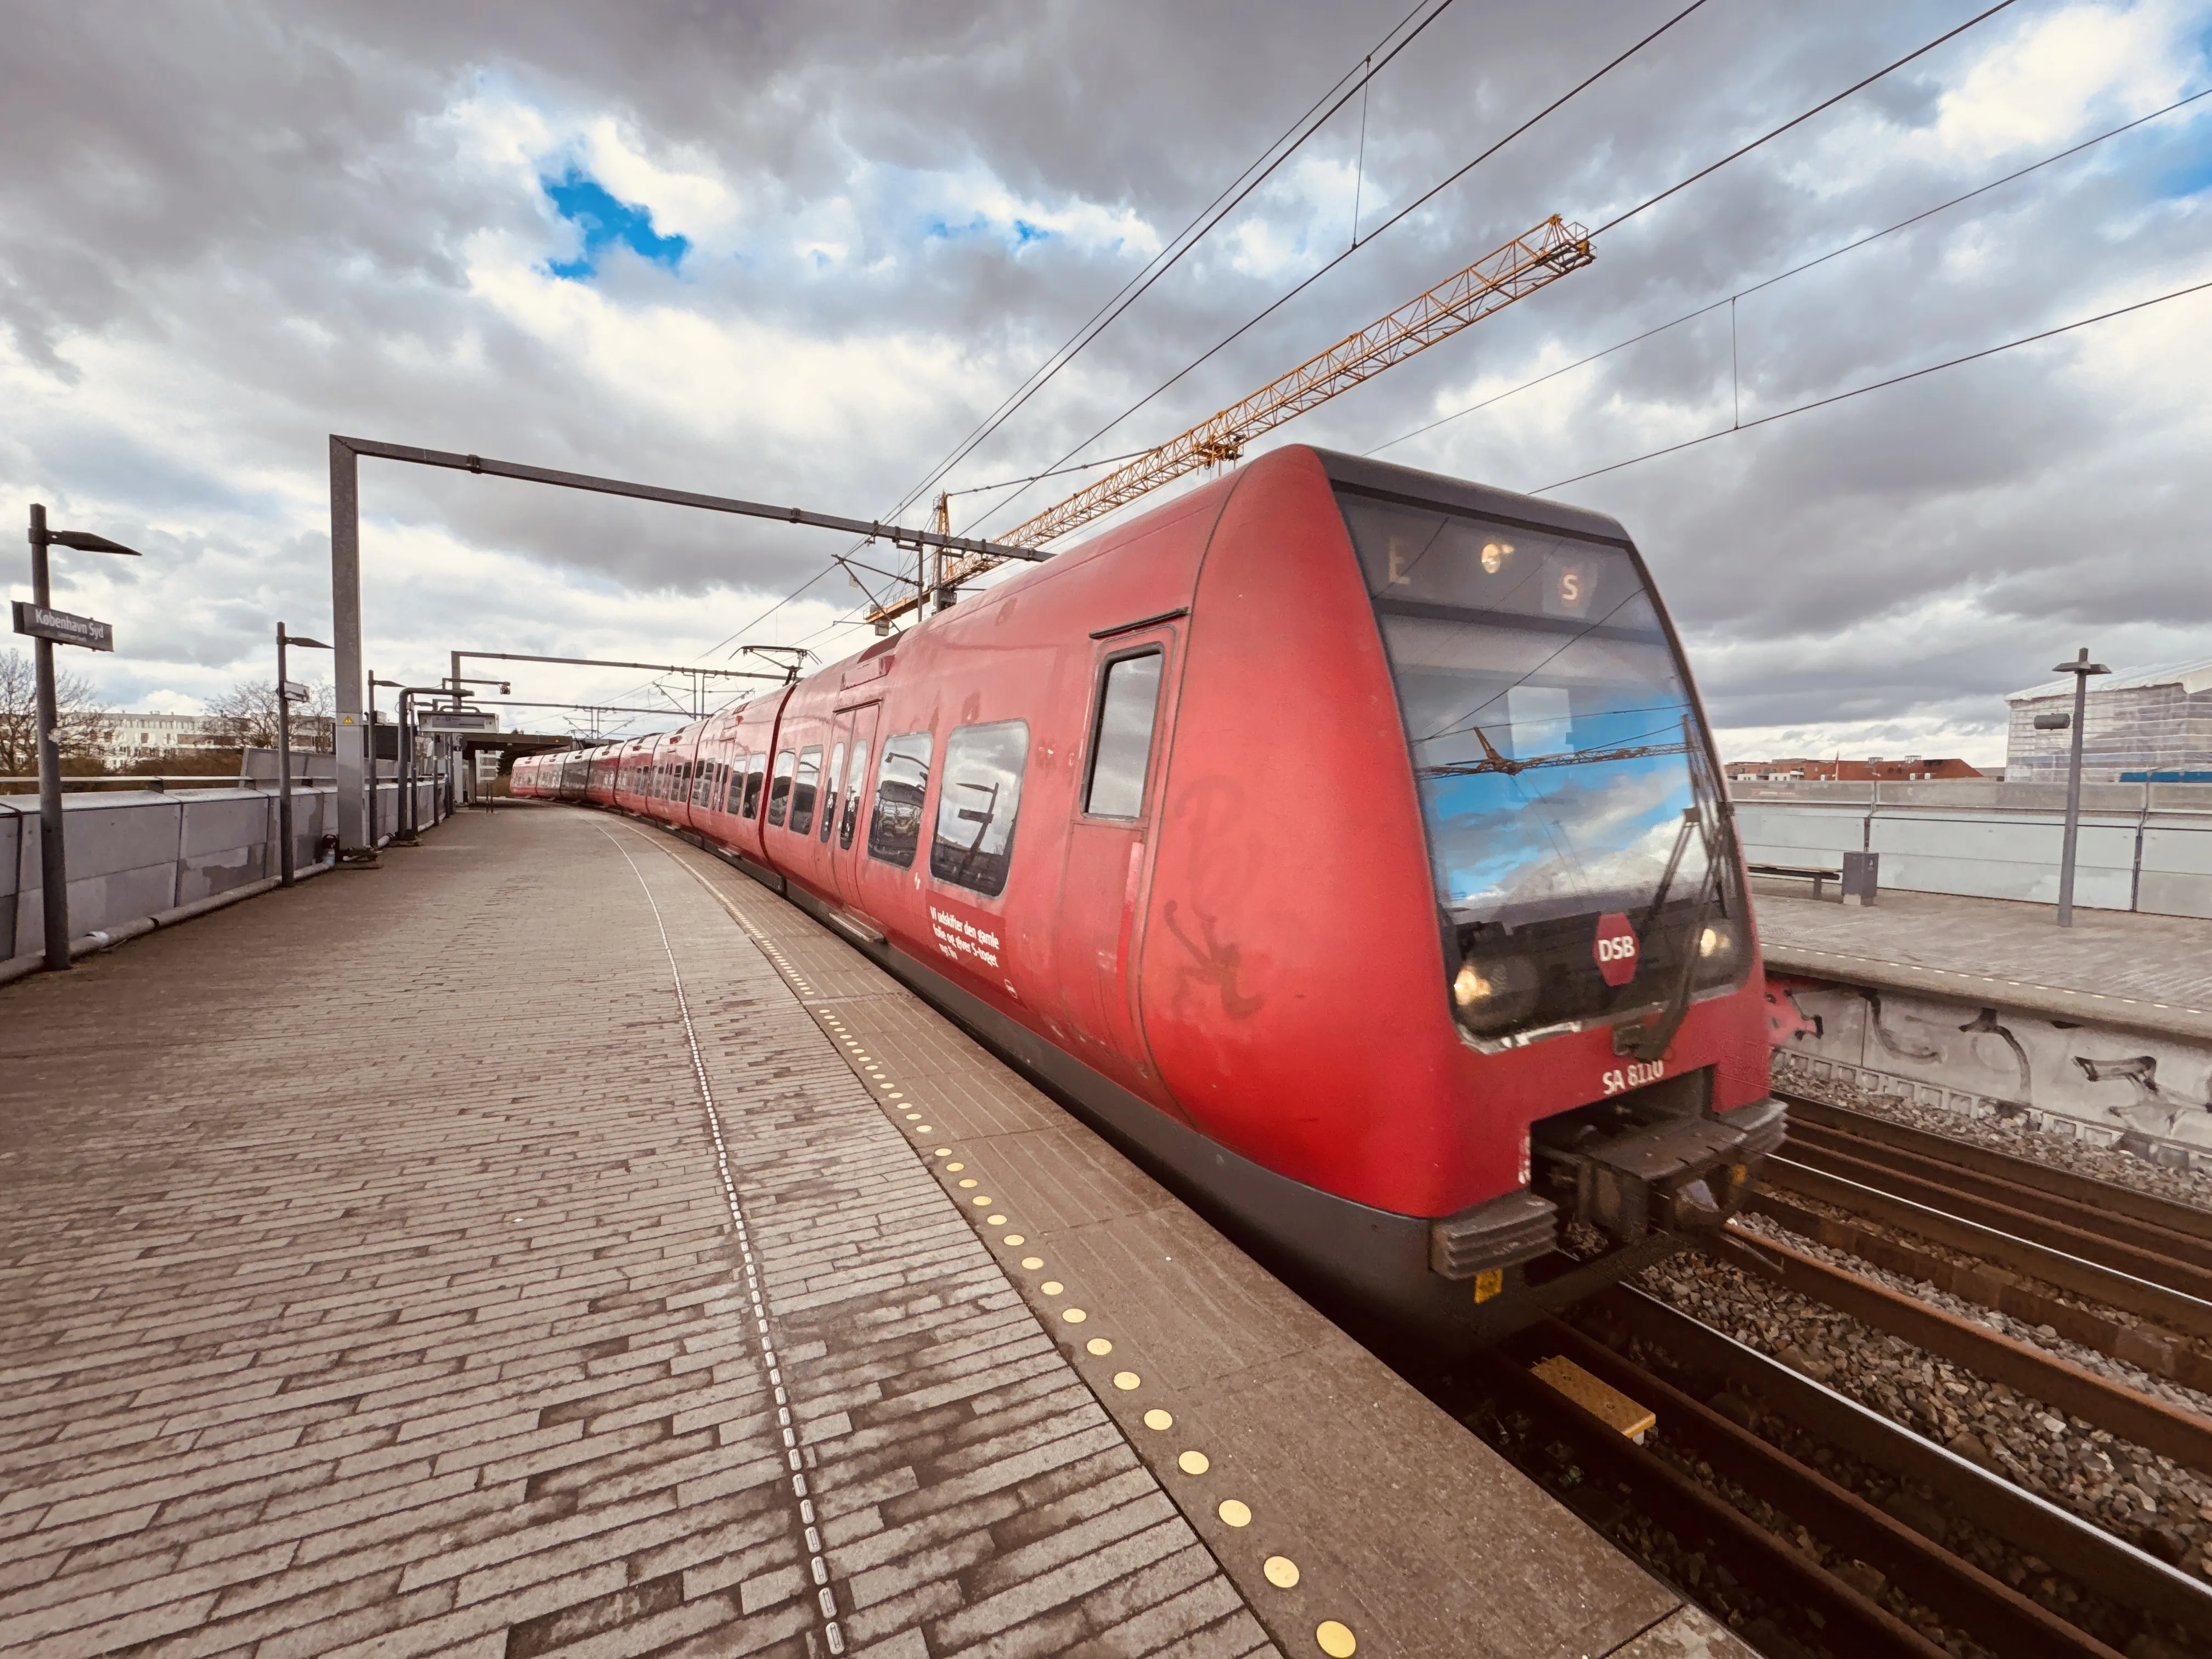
<point>293,692</point>
<point>62,627</point>
<point>458,720</point>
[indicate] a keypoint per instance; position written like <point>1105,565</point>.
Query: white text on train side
<point>957,938</point>
<point>1635,1075</point>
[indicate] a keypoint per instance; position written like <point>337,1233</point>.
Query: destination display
<point>62,626</point>
<point>458,720</point>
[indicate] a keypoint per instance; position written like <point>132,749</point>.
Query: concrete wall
<point>137,853</point>
<point>2142,846</point>
<point>2145,1094</point>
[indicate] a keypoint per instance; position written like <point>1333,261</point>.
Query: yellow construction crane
<point>1495,281</point>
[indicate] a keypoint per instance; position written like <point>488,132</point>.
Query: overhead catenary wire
<point>1855,243</point>
<point>1618,219</point>
<point>1879,385</point>
<point>1184,240</point>
<point>1232,196</point>
<point>1275,305</point>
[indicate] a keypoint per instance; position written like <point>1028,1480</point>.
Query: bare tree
<point>247,713</point>
<point>82,724</point>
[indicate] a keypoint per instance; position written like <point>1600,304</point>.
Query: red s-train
<point>1344,841</point>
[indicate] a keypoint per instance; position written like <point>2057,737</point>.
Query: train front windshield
<point>1563,777</point>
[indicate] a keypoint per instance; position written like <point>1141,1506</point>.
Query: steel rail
<point>2105,1197</point>
<point>2096,1559</point>
<point>2151,1298</point>
<point>1964,1595</point>
<point>1700,1518</point>
<point>2183,1435</point>
<point>2140,1248</point>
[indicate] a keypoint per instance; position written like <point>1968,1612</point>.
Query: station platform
<point>2116,969</point>
<point>553,1242</point>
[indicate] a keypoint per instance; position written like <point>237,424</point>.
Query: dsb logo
<point>1615,948</point>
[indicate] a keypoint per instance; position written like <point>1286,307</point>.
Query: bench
<point>1800,874</point>
<point>1860,877</point>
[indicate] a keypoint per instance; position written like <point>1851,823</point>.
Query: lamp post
<point>46,625</point>
<point>393,686</point>
<point>287,694</point>
<point>2081,668</point>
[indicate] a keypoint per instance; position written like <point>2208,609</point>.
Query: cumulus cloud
<point>802,250</point>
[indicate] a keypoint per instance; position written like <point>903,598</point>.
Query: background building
<point>1913,768</point>
<point>2154,725</point>
<point>118,738</point>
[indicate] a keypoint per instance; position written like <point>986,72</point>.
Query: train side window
<point>779,791</point>
<point>756,769</point>
<point>853,779</point>
<point>803,788</point>
<point>829,781</point>
<point>895,827</point>
<point>732,771</point>
<point>977,804</point>
<point>1122,737</point>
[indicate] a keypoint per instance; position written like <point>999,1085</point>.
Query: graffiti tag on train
<point>957,939</point>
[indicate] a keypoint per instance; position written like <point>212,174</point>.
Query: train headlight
<point>1492,993</point>
<point>1717,953</point>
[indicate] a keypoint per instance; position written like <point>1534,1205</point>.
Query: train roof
<point>1411,483</point>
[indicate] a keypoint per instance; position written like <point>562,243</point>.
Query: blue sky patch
<point>607,222</point>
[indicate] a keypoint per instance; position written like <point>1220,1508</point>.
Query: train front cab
<point>1569,1080</point>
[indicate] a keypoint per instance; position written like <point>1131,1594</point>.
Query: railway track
<point>1862,1535</point>
<point>2028,1240</point>
<point>1836,1529</point>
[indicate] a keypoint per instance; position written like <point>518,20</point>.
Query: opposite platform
<point>2117,969</point>
<point>494,1253</point>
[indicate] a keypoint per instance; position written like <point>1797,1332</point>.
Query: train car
<point>1344,841</point>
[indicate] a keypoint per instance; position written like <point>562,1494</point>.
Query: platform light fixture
<point>287,694</point>
<point>2081,668</point>
<point>47,627</point>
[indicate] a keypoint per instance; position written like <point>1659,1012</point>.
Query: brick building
<point>1912,768</point>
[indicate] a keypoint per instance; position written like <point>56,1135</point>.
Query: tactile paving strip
<point>1340,1502</point>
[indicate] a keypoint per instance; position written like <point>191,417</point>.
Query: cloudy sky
<point>796,253</point>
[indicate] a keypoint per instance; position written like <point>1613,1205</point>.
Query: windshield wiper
<point>1648,1040</point>
<point>1494,761</point>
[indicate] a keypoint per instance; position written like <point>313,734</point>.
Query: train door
<point>1113,814</point>
<point>848,835</point>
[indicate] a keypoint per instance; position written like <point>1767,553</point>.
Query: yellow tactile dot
<point>1128,1381</point>
<point>1194,1463</point>
<point>914,1117</point>
<point>924,1129</point>
<point>1015,1238</point>
<point>1234,1513</point>
<point>1100,1346</point>
<point>1051,1286</point>
<point>941,1152</point>
<point>1282,1571</point>
<point>979,1203</point>
<point>1334,1640</point>
<point>1074,1315</point>
<point>994,1220</point>
<point>1032,1262</point>
<point>1158,1420</point>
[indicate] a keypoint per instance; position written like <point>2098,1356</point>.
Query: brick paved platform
<point>535,1247</point>
<point>2135,972</point>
